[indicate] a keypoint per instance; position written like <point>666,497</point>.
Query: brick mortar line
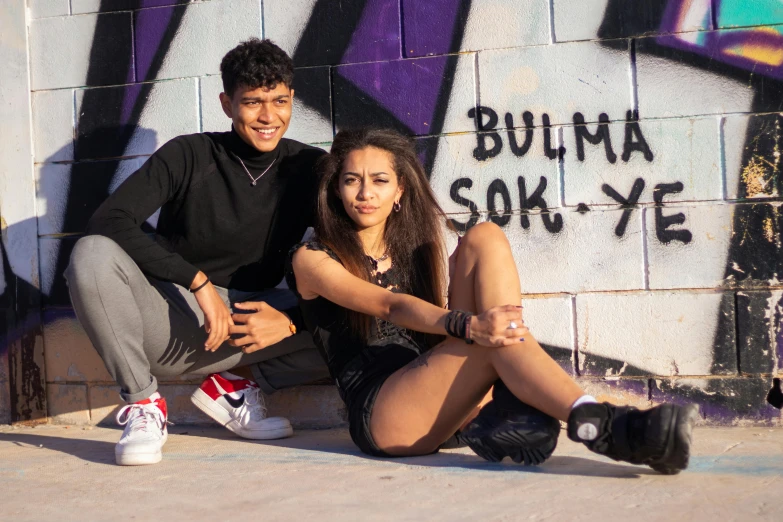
<point>199,114</point>
<point>633,77</point>
<point>566,295</point>
<point>722,157</point>
<point>574,337</point>
<point>614,378</point>
<point>71,14</point>
<point>167,383</point>
<point>608,207</point>
<point>645,252</point>
<point>612,207</point>
<point>262,19</point>
<point>552,33</point>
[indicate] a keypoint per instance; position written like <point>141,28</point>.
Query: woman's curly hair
<point>256,63</point>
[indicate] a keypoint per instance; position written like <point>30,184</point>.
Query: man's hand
<point>263,327</point>
<point>217,316</point>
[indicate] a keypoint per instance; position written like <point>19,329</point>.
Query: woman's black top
<point>332,333</point>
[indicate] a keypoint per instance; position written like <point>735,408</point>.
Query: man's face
<point>261,116</point>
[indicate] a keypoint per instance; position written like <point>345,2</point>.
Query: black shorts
<point>361,380</point>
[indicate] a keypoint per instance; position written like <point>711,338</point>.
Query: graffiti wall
<point>630,151</point>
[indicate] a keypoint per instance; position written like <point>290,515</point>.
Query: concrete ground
<point>59,473</point>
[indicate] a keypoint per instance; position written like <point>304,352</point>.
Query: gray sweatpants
<point>144,328</point>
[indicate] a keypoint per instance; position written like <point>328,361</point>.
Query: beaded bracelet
<point>458,325</point>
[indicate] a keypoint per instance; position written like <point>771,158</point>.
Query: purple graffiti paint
<point>160,3</point>
<point>428,27</point>
<point>149,29</point>
<point>409,89</point>
<point>719,405</point>
<point>755,49</point>
<point>779,337</point>
<point>377,37</point>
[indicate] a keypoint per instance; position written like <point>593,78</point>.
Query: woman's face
<point>369,187</point>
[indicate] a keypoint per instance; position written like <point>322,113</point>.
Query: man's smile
<point>266,133</point>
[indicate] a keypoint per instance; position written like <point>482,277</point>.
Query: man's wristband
<point>199,287</point>
<point>295,319</point>
<point>291,325</point>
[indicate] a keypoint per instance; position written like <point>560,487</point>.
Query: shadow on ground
<point>314,447</point>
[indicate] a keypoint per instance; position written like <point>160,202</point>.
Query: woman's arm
<point>317,274</point>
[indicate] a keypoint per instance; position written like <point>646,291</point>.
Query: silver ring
<point>512,325</point>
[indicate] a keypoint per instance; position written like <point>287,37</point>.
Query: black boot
<point>507,427</point>
<point>659,437</point>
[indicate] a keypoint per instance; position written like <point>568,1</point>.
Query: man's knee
<point>90,254</point>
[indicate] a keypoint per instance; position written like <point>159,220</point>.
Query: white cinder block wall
<point>629,150</point>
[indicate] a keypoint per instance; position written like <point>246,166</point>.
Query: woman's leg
<point>423,403</point>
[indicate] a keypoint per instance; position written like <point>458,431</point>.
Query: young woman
<point>371,289</point>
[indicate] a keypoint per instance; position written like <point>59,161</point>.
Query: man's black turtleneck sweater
<point>212,217</point>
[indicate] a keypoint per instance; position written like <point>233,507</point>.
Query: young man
<point>232,204</point>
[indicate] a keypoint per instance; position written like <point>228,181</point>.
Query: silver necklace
<point>381,259</point>
<point>255,180</point>
<point>375,261</point>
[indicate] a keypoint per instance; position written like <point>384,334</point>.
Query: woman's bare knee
<point>405,446</point>
<point>484,235</point>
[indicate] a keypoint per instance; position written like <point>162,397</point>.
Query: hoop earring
<point>397,206</point>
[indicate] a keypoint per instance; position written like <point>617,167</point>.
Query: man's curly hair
<point>256,63</point>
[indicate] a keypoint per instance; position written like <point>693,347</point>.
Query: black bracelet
<point>457,325</point>
<point>199,287</point>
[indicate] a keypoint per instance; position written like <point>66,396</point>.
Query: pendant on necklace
<point>253,183</point>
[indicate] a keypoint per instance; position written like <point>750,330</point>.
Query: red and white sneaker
<point>238,405</point>
<point>145,432</point>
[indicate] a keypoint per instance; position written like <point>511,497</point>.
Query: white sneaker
<point>238,405</point>
<point>145,432</point>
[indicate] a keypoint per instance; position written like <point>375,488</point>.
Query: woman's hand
<point>494,327</point>
<point>217,316</point>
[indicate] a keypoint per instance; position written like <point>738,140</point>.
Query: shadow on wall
<point>21,346</point>
<point>67,195</point>
<point>70,194</point>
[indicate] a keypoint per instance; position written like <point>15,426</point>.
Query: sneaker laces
<point>254,407</point>
<point>141,418</point>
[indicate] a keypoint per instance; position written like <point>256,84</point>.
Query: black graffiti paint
<point>489,142</point>
<point>536,199</point>
<point>601,135</point>
<point>662,223</point>
<point>634,139</point>
<point>627,204</point>
<point>465,202</point>
<point>502,217</point>
<point>518,150</point>
<point>481,152</point>
<point>498,187</point>
<point>549,152</point>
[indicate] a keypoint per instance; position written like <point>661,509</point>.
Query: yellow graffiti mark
<point>769,229</point>
<point>758,53</point>
<point>754,176</point>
